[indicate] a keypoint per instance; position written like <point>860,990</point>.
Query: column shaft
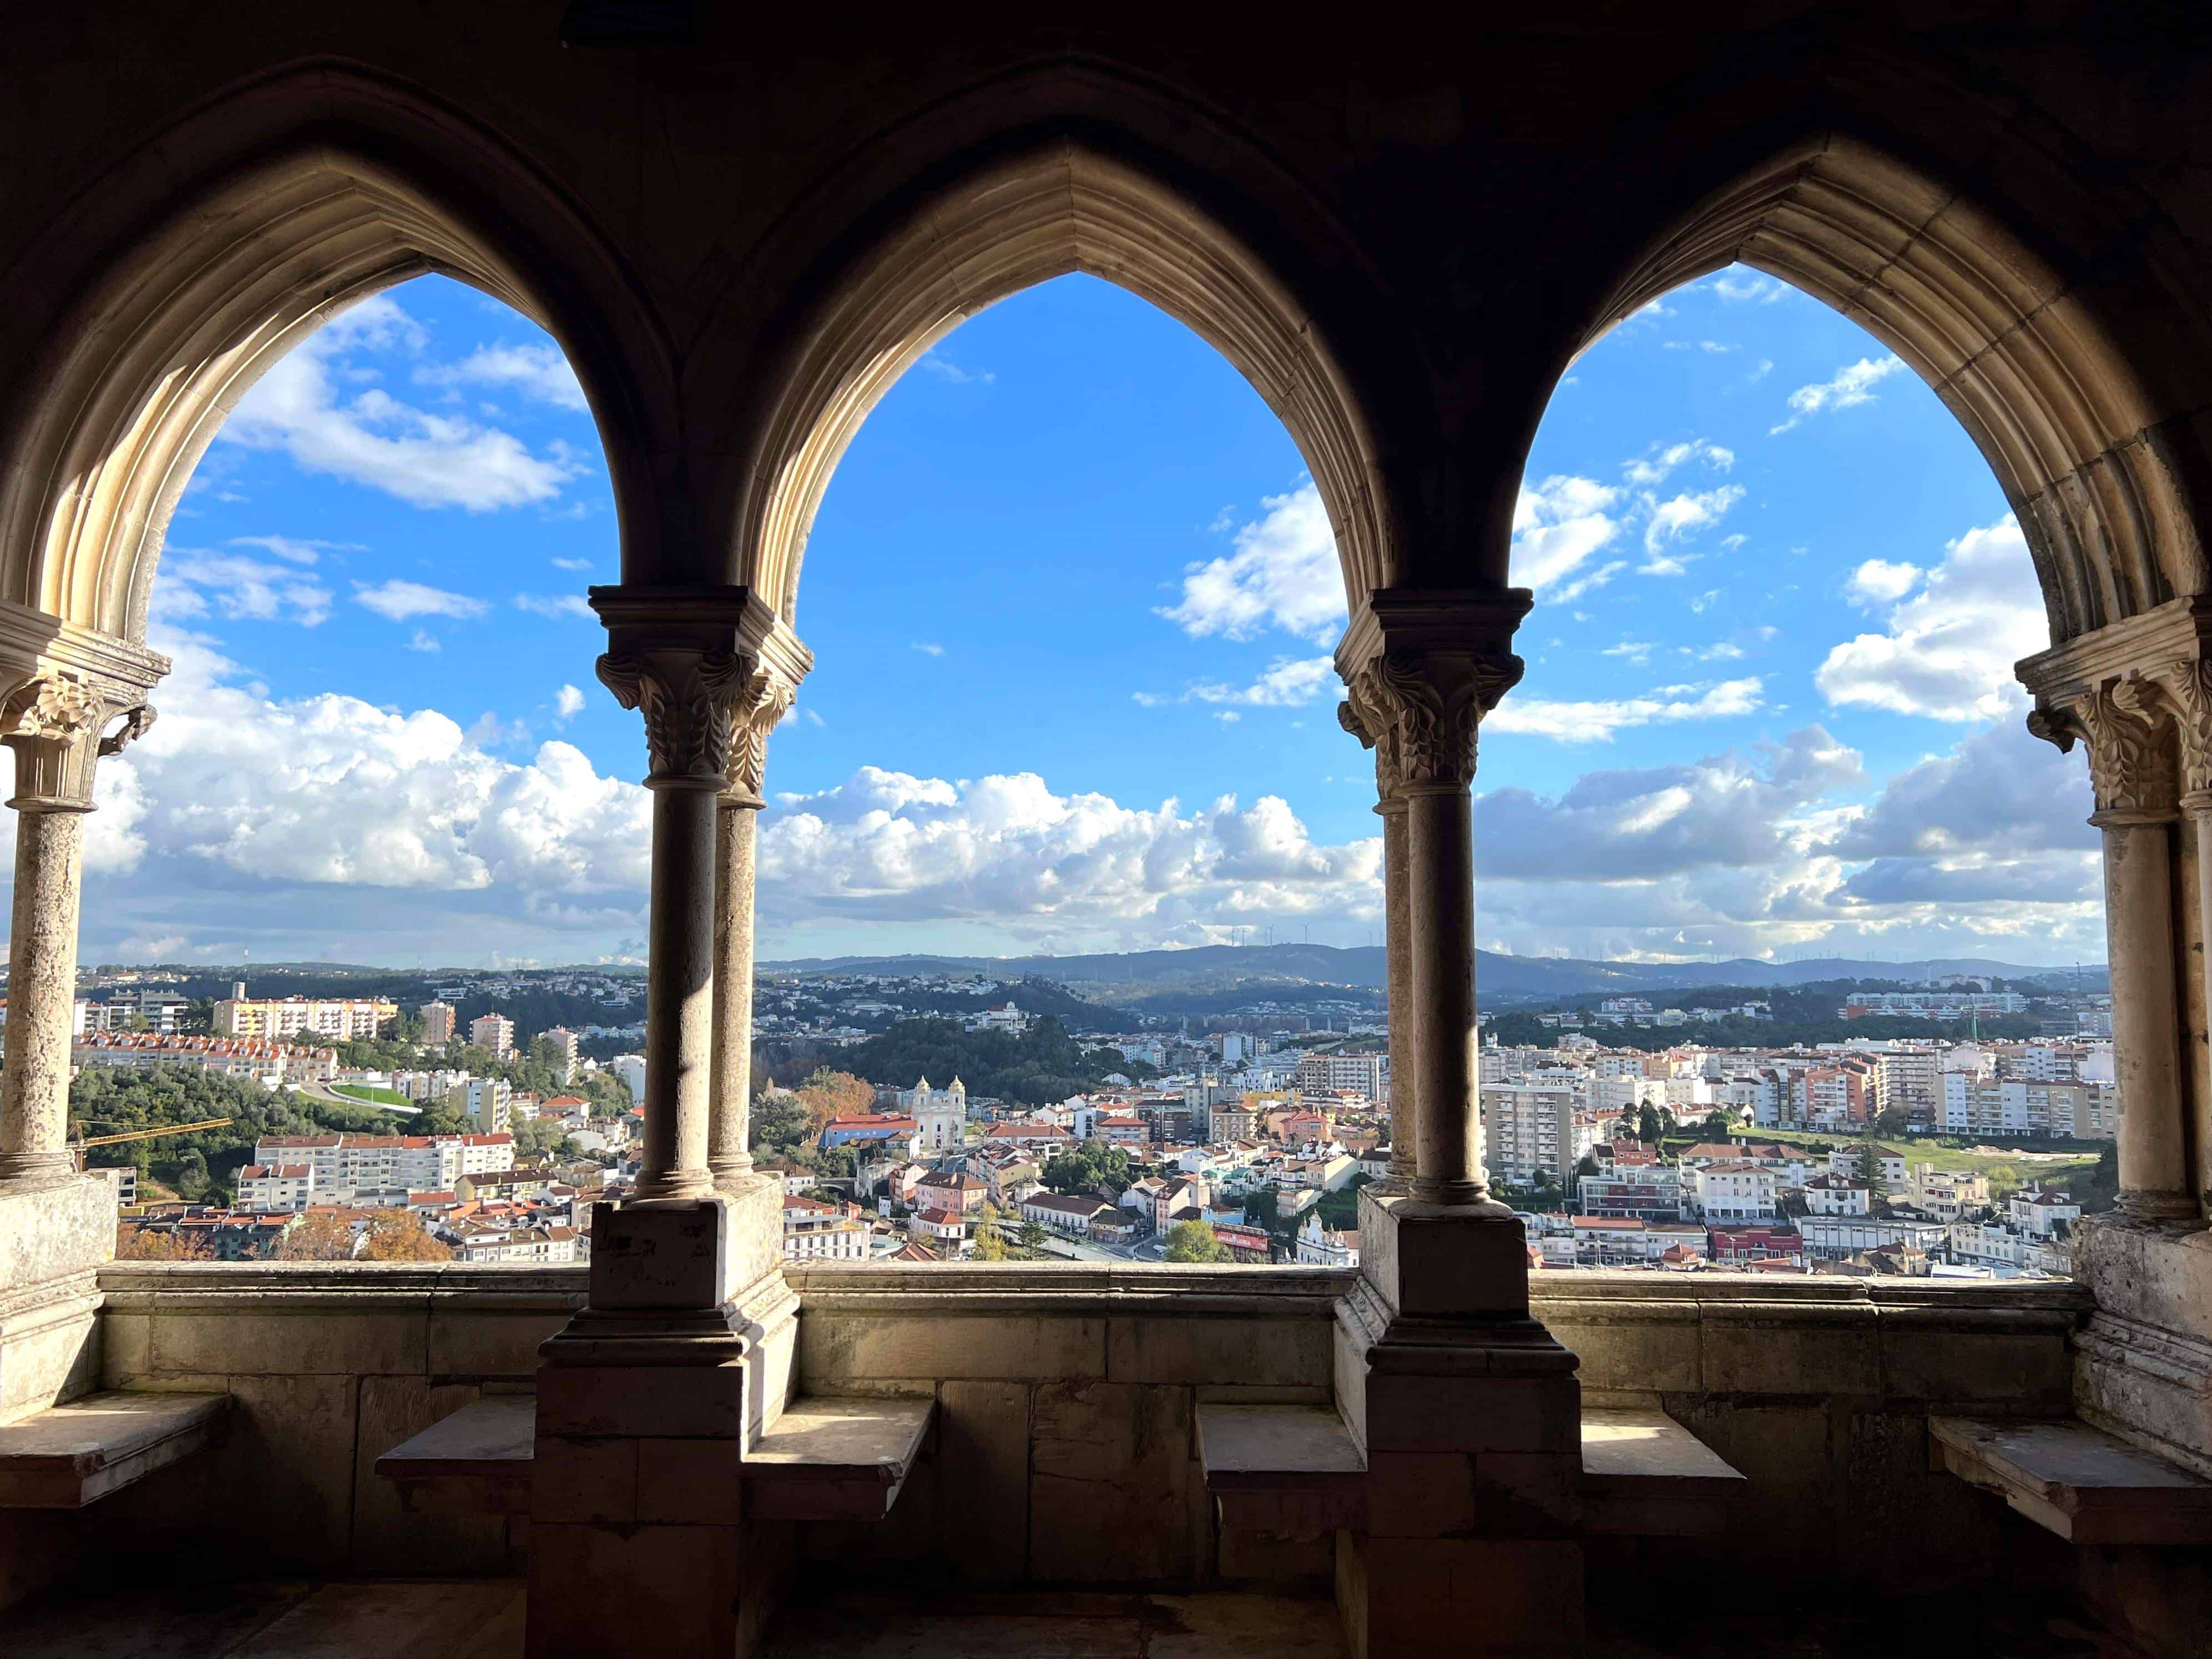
<point>1440,858</point>
<point>679,995</point>
<point>729,1153</point>
<point>1398,956</point>
<point>41,995</point>
<point>2200,826</point>
<point>2155,1174</point>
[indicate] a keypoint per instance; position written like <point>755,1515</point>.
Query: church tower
<point>940,1119</point>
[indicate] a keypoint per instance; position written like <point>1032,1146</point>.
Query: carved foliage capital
<point>54,723</point>
<point>685,695</point>
<point>2187,687</point>
<point>761,702</point>
<point>1422,713</point>
<point>2122,723</point>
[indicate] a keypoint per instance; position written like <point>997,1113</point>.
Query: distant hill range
<point>1221,967</point>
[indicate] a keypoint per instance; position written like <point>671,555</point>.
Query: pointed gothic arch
<point>1060,208</point>
<point>2014,350</point>
<point>308,200</point>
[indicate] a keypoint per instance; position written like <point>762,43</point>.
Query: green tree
<point>542,1137</point>
<point>1648,1126</point>
<point>1193,1241</point>
<point>1870,1151</point>
<point>1092,1167</point>
<point>990,1239</point>
<point>1032,1238</point>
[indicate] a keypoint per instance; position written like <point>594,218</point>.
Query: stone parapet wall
<point>330,1364</point>
<point>1066,1397</point>
<point>1067,1392</point>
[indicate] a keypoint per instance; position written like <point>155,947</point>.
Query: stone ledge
<point>2089,1487</point>
<point>72,1454</point>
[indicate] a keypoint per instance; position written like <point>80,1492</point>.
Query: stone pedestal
<point>54,1236</point>
<point>646,1405</point>
<point>1471,1416</point>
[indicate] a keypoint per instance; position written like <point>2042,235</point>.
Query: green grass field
<point>2070,1167</point>
<point>370,1094</point>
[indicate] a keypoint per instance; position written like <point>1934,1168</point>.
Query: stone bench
<point>2088,1487</point>
<point>825,1459</point>
<point>1295,1471</point>
<point>1283,1471</point>
<point>72,1454</point>
<point>1645,1475</point>
<point>475,1461</point>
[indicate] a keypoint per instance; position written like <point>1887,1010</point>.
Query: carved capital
<point>54,723</point>
<point>2131,762</point>
<point>2187,687</point>
<point>1422,712</point>
<point>760,705</point>
<point>1367,719</point>
<point>685,695</point>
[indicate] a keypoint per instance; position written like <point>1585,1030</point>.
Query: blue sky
<point>1071,597</point>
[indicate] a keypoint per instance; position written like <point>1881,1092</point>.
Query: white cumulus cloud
<point>1284,573</point>
<point>372,438</point>
<point>1949,650</point>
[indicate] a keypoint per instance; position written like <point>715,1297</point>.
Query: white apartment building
<point>1732,1192</point>
<point>495,1032</point>
<point>1979,1105</point>
<point>1366,1075</point>
<point>382,1163</point>
<point>630,1068</point>
<point>1527,1127</point>
<point>288,1019</point>
<point>564,1042</point>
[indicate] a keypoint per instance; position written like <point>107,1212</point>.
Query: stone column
<point>2131,770</point>
<point>685,694</point>
<point>765,698</point>
<point>1467,1408</point>
<point>1434,701</point>
<point>2187,685</point>
<point>53,724</point>
<point>1375,731</point>
<point>650,1399</point>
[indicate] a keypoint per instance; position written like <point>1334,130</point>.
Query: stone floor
<point>394,1619</point>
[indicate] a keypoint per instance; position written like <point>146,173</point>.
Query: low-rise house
<point>1733,1192</point>
<point>1069,1216</point>
<point>1835,1194</point>
<point>816,1232</point>
<point>267,1186</point>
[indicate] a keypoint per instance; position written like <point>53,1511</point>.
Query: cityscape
<point>1955,1128</point>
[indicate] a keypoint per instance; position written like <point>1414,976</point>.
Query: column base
<point>2145,1206</point>
<point>646,1405</point>
<point>1470,1415</point>
<point>1442,1261</point>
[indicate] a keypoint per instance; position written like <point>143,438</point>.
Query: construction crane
<point>79,1146</point>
